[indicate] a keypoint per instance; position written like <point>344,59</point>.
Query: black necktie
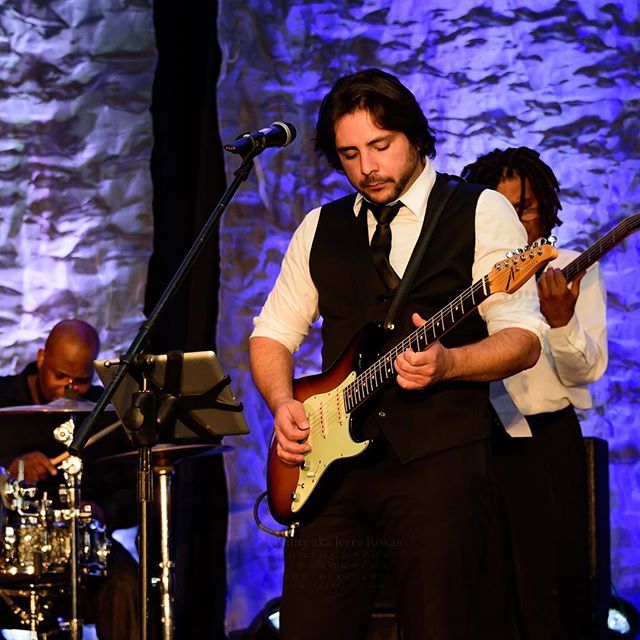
<point>381,242</point>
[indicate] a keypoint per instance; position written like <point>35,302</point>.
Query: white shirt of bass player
<point>573,356</point>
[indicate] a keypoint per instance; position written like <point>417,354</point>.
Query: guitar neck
<point>602,246</point>
<point>381,371</point>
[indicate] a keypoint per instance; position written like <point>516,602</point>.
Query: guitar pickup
<point>306,468</point>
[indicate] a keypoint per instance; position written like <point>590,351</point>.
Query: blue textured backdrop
<point>561,77</point>
<point>75,187</point>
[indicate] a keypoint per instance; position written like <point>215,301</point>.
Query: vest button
<point>382,414</point>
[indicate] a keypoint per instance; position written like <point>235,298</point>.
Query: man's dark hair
<point>490,169</point>
<point>391,105</point>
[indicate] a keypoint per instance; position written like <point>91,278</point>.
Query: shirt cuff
<point>539,329</point>
<point>571,335</point>
<point>292,343</point>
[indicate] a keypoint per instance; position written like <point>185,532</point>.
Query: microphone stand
<point>143,435</point>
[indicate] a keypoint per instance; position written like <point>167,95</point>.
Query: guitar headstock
<point>510,274</point>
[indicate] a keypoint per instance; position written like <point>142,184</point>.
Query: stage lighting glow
<point>265,626</point>
<point>623,620</point>
<point>618,622</point>
<point>274,620</point>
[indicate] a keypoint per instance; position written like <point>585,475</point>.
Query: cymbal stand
<point>72,470</point>
<point>32,618</point>
<point>139,421</point>
<point>33,614</point>
<point>164,473</point>
<point>15,492</point>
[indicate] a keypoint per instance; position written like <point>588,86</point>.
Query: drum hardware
<point>38,546</point>
<point>94,438</point>
<point>72,471</point>
<point>37,608</point>
<point>61,405</point>
<point>44,551</point>
<point>164,457</point>
<point>43,540</point>
<point>165,583</point>
<point>35,549</point>
<point>166,454</point>
<point>15,494</point>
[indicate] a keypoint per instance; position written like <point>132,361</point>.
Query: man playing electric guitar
<point>544,479</point>
<point>421,491</point>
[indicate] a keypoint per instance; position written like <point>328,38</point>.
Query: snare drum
<point>32,546</point>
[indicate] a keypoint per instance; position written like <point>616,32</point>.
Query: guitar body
<point>289,487</point>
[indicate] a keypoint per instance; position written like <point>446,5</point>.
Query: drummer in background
<point>64,368</point>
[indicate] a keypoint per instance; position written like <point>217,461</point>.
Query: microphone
<point>277,134</point>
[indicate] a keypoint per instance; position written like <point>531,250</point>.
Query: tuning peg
<point>510,254</point>
<point>552,239</point>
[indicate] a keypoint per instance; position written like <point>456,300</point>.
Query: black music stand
<point>194,396</point>
<point>173,406</point>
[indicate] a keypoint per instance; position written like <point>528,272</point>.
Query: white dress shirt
<point>292,305</point>
<point>573,355</point>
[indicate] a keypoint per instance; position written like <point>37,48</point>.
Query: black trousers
<point>540,540</point>
<point>427,519</point>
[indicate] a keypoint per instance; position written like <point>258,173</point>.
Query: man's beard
<point>408,171</point>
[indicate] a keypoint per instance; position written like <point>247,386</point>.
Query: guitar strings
<point>371,378</point>
<point>601,247</point>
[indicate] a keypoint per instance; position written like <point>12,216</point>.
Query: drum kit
<point>52,545</point>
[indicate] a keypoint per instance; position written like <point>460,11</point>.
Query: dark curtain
<point>188,178</point>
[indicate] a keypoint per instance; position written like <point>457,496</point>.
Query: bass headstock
<point>510,274</point>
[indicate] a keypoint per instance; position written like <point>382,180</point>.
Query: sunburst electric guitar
<point>330,398</point>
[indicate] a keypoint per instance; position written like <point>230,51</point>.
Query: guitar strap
<point>442,189</point>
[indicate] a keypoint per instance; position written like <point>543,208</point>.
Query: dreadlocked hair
<point>490,169</point>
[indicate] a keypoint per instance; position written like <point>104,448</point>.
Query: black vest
<point>351,294</point>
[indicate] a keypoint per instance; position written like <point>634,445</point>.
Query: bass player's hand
<point>558,298</point>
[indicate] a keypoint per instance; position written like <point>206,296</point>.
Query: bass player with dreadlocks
<point>542,480</point>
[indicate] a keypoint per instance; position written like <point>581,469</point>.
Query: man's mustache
<point>367,182</point>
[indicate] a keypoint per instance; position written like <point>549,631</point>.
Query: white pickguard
<point>329,438</point>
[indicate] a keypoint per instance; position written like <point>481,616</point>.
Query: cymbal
<point>61,405</point>
<point>167,454</point>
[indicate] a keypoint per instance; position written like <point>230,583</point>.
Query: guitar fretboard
<point>381,371</point>
<point>606,243</point>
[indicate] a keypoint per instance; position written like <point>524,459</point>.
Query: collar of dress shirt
<point>415,198</point>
